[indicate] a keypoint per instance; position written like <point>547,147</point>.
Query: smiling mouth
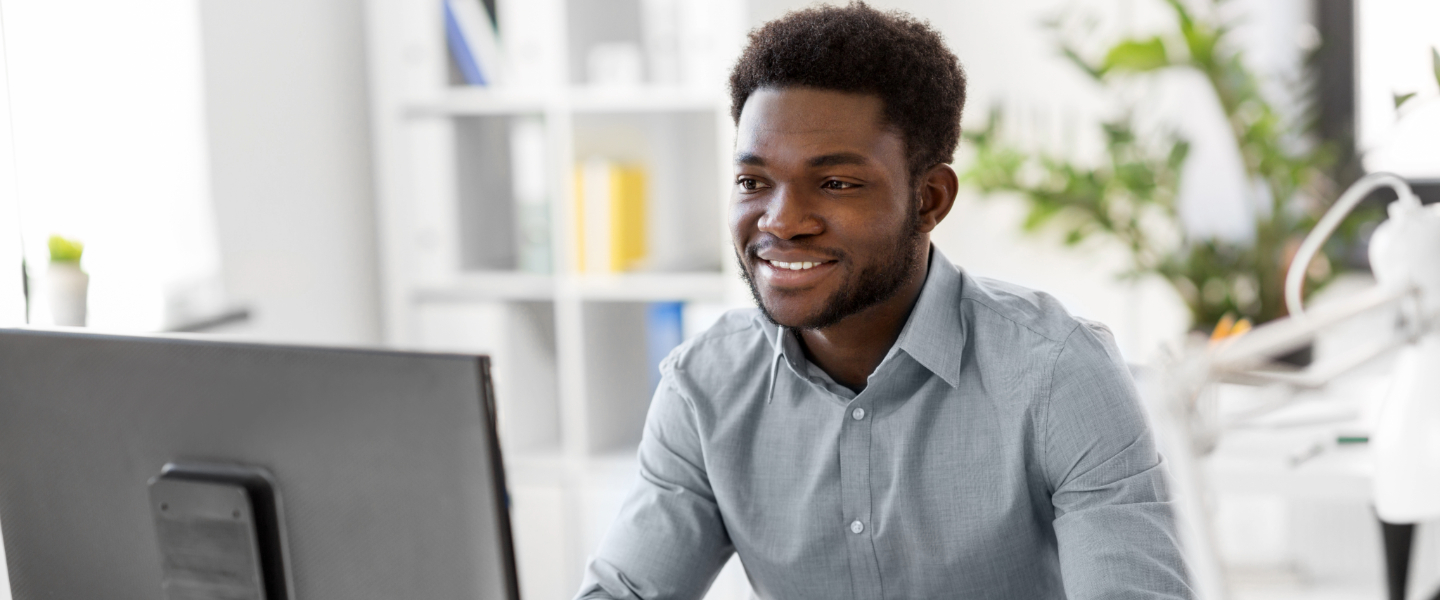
<point>787,277</point>
<point>794,266</point>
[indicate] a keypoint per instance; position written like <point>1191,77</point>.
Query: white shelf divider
<point>481,286</point>
<point>466,101</point>
<point>645,287</point>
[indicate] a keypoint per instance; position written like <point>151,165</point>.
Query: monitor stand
<point>220,532</point>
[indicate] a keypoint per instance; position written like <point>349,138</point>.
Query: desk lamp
<point>1405,257</point>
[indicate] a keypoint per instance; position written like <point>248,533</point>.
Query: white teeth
<point>793,266</point>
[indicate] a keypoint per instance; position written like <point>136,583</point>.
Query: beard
<point>870,286</point>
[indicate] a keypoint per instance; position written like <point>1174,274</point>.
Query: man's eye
<point>748,184</point>
<point>836,184</point>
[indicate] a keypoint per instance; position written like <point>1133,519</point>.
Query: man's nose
<point>790,214</point>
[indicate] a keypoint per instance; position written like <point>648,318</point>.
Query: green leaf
<point>1401,98</point>
<point>1201,41</point>
<point>1137,56</point>
<point>1040,213</point>
<point>1178,152</point>
<point>65,250</point>
<point>1182,13</point>
<point>1089,69</point>
<point>1435,63</point>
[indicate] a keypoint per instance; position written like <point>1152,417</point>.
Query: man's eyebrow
<point>824,160</point>
<point>747,158</point>
<point>838,158</point>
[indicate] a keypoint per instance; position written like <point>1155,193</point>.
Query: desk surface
<point>1294,451</point>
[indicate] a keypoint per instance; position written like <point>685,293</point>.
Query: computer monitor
<point>151,467</point>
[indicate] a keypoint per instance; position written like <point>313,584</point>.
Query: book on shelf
<point>664,330</point>
<point>473,41</point>
<point>610,210</point>
<point>532,204</point>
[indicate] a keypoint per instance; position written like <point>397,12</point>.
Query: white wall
<point>12,300</point>
<point>288,119</point>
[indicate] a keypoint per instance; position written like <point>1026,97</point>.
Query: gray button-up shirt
<point>998,451</point>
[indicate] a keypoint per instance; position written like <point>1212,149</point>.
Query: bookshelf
<point>480,228</point>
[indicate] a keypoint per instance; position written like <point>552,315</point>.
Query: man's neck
<point>850,350</point>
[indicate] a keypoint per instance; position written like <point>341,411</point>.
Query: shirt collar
<point>933,335</point>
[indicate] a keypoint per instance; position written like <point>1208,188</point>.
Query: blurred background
<point>546,181</point>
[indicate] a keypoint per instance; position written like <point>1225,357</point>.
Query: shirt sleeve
<point>669,540</point>
<point>1114,520</point>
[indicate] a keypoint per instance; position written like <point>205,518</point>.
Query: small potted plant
<point>67,284</point>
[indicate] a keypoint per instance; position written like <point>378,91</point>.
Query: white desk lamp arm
<point>1295,278</point>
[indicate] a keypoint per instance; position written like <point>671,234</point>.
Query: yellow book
<point>610,215</point>
<point>627,217</point>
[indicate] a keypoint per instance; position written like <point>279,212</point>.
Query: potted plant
<point>1131,196</point>
<point>67,284</point>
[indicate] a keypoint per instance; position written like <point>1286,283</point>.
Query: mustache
<point>753,250</point>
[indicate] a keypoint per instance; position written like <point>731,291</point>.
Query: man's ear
<point>937,195</point>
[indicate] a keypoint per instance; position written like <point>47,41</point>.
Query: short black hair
<point>859,49</point>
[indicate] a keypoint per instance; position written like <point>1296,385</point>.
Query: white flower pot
<point>67,287</point>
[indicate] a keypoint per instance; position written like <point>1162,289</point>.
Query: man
<point>884,425</point>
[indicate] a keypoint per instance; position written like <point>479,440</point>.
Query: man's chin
<point>793,313</point>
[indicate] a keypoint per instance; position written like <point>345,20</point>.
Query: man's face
<point>823,216</point>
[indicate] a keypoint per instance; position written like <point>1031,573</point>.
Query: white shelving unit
<point>572,373</point>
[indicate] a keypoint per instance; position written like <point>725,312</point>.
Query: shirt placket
<point>855,440</point>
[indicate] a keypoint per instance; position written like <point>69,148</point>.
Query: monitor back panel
<point>385,463</point>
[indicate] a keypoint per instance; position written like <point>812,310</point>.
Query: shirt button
<point>858,413</point>
<point>857,527</point>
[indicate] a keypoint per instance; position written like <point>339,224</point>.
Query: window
<point>107,126</point>
<point>1394,39</point>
